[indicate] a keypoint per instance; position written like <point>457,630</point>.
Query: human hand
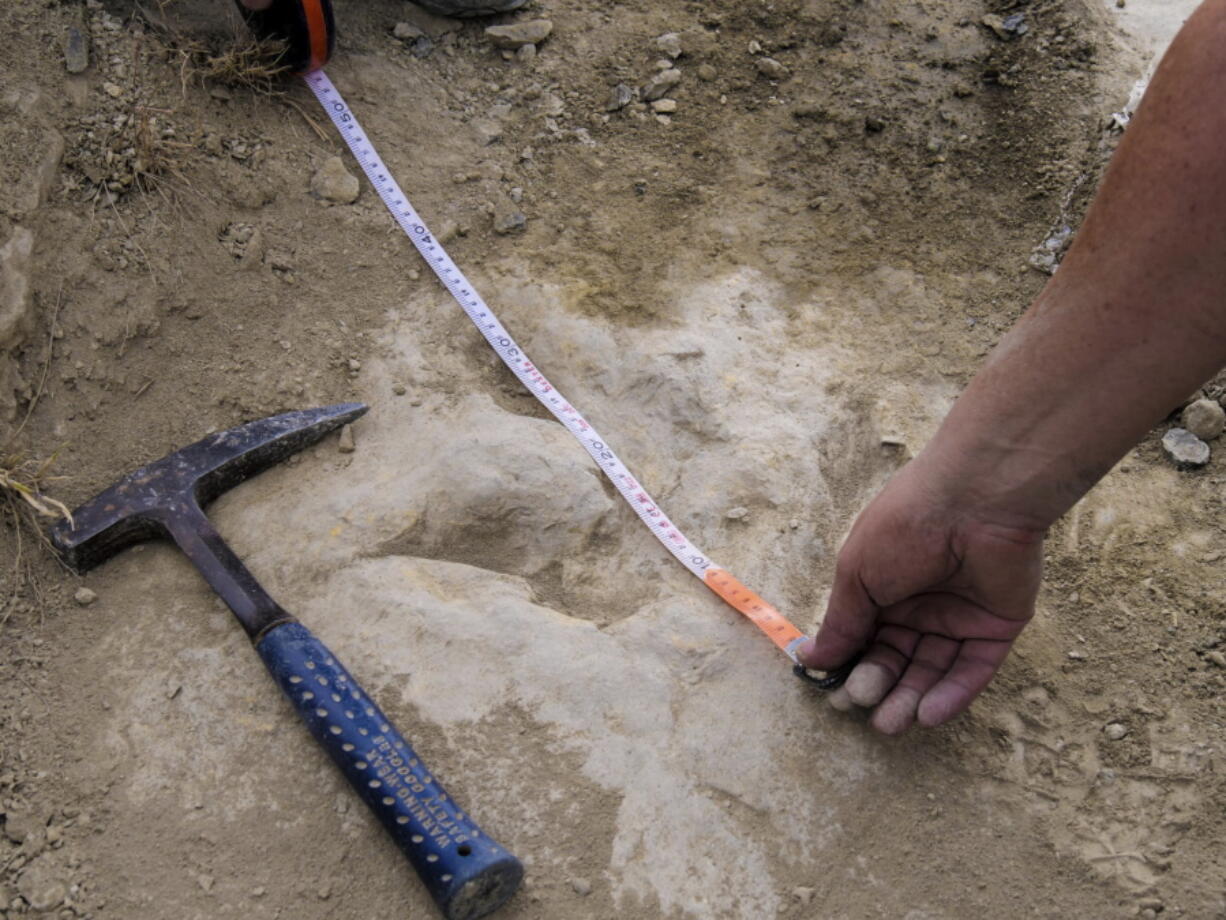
<point>934,595</point>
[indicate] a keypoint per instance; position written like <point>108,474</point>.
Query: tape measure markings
<point>764,615</point>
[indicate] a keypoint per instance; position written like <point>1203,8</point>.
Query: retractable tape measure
<point>308,28</point>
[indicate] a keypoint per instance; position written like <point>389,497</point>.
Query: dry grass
<point>247,64</point>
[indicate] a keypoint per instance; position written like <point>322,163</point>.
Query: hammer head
<point>136,507</point>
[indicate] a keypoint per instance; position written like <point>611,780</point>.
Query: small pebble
<point>509,222</point>
<point>707,73</point>
<point>619,97</point>
<point>526,54</point>
<point>76,50</point>
<point>345,444</point>
<point>659,85</point>
<point>335,183</point>
<point>1077,656</point>
<point>737,514</point>
<point>804,895</point>
<point>771,69</point>
<point>399,389</point>
<point>1217,658</point>
<point>112,90</point>
<point>664,106</point>
<point>670,44</point>
<point>1115,731</point>
<point>85,596</point>
<point>406,31</point>
<point>582,886</point>
<point>518,34</point>
<point>205,882</point>
<point>1204,418</point>
<point>1186,449</point>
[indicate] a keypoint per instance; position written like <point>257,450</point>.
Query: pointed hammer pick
<point>466,872</point>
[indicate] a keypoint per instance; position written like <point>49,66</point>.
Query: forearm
<point>1134,320</point>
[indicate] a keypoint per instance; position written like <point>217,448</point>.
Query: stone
<point>333,182</point>
<point>509,222</point>
<point>487,130</point>
<point>619,97</point>
<point>771,69</point>
<point>526,54</point>
<point>670,44</point>
<point>18,825</point>
<point>1204,418</point>
<point>1115,731</point>
<point>112,90</point>
<point>1006,28</point>
<point>85,596</point>
<point>581,886</point>
<point>518,34</point>
<point>659,85</point>
<point>41,886</point>
<point>407,31</point>
<point>76,49</point>
<point>664,106</point>
<point>804,895</point>
<point>399,389</point>
<point>1217,658</point>
<point>15,294</point>
<point>1186,449</point>
<point>345,443</point>
<point>737,514</point>
<point>707,73</point>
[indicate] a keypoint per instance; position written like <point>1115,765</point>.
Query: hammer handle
<point>466,872</point>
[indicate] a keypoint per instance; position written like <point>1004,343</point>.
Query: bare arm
<point>940,572</point>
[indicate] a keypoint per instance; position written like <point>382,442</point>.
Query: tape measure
<point>307,26</point>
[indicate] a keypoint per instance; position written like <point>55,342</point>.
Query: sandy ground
<point>766,300</point>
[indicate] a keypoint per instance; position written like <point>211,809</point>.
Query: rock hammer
<point>467,873</point>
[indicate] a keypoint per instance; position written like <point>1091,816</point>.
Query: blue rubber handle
<point>467,873</point>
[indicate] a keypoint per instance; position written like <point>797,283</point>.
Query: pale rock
<point>1204,418</point>
<point>707,73</point>
<point>771,69</point>
<point>518,34</point>
<point>15,295</point>
<point>670,44</point>
<point>41,885</point>
<point>509,221</point>
<point>85,596</point>
<point>526,54</point>
<point>659,85</point>
<point>76,49</point>
<point>1185,448</point>
<point>333,182</point>
<point>581,886</point>
<point>1115,731</point>
<point>112,90</point>
<point>664,106</point>
<point>345,443</point>
<point>619,97</point>
<point>407,31</point>
<point>18,825</point>
<point>488,131</point>
<point>737,514</point>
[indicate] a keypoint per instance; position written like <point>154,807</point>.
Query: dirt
<point>766,300</point>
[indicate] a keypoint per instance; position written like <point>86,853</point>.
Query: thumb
<point>851,618</point>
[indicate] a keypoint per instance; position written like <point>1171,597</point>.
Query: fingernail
<point>805,649</point>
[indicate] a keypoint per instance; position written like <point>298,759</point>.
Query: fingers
<point>882,665</point>
<point>932,659</point>
<point>975,666</point>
